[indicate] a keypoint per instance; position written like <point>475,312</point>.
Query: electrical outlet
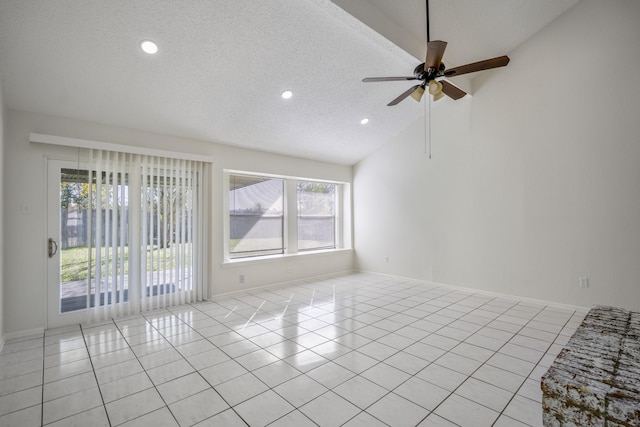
<point>25,208</point>
<point>386,259</point>
<point>241,278</point>
<point>583,282</point>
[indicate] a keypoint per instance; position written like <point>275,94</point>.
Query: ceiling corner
<point>367,12</point>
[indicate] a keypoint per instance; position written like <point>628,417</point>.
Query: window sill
<point>230,263</point>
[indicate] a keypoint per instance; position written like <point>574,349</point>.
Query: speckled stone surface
<point>595,380</point>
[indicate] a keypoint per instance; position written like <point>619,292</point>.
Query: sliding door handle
<point>53,247</point>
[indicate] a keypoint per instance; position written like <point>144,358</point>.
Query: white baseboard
<point>25,333</point>
<point>276,285</point>
<point>555,304</point>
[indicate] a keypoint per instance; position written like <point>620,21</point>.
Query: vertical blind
<point>147,238</point>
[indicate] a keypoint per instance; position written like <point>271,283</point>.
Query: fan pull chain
<point>427,127</point>
<point>426,123</point>
<point>427,138</point>
<point>425,104</point>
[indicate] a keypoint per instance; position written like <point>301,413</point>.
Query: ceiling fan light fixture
<point>417,94</point>
<point>435,89</point>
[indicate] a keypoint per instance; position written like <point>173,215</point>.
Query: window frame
<point>290,217</point>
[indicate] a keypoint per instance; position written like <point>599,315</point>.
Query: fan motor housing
<point>420,73</point>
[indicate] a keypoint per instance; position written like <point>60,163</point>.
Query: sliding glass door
<point>122,236</point>
<point>68,213</point>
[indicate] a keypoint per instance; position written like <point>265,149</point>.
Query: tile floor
<point>354,350</point>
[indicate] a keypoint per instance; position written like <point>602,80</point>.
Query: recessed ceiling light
<point>287,94</point>
<point>149,47</point>
<point>364,121</point>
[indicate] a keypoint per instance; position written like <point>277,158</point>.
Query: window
<point>284,215</point>
<point>316,215</point>
<point>256,216</point>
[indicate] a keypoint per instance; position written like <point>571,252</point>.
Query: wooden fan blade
<point>435,52</point>
<point>452,91</point>
<point>487,64</point>
<point>387,79</point>
<point>404,95</point>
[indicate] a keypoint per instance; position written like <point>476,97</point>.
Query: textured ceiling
<point>223,64</point>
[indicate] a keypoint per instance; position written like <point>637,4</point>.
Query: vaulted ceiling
<point>223,64</point>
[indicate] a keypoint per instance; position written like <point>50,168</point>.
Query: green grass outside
<point>74,261</point>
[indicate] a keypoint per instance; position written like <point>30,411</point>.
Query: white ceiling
<point>223,64</point>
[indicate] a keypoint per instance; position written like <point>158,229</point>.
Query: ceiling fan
<point>432,72</point>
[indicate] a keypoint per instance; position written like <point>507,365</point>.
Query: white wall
<point>2,131</point>
<point>24,166</point>
<point>534,180</point>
